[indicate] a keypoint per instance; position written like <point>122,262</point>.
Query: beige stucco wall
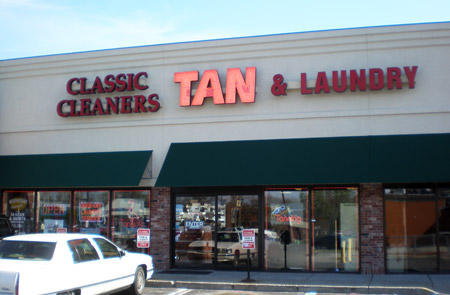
<point>31,88</point>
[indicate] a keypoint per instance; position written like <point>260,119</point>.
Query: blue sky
<point>46,27</point>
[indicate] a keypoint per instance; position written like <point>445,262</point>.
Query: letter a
<point>215,91</point>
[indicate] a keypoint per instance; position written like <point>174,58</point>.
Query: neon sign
<point>53,210</point>
<point>283,214</point>
<point>210,86</point>
<point>292,218</point>
<point>91,212</point>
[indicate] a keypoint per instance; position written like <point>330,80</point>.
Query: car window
<point>108,249</point>
<point>26,250</point>
<point>82,250</point>
<point>4,228</point>
<point>228,237</point>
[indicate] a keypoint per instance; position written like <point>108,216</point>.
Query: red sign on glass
<point>91,212</point>
<point>143,238</point>
<point>248,239</point>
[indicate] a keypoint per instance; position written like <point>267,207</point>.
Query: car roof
<point>50,237</point>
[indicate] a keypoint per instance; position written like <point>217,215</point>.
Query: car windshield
<point>228,237</point>
<point>27,250</point>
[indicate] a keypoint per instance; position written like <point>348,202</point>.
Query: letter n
<point>245,89</point>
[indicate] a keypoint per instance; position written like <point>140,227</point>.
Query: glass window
<point>410,230</point>
<point>53,211</point>
<point>334,226</point>
<point>26,250</point>
<point>194,228</point>
<point>5,228</point>
<point>82,250</point>
<point>130,211</point>
<point>91,212</point>
<point>18,206</point>
<point>236,213</point>
<point>108,249</point>
<point>287,212</point>
<point>444,228</point>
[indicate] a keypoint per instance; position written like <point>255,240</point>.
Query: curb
<point>291,287</point>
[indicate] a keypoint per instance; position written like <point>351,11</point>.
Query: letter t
<point>185,79</point>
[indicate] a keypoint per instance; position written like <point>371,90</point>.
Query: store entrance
<point>208,230</point>
<point>306,229</point>
<point>235,213</point>
<point>322,226</point>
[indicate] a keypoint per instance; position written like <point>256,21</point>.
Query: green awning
<point>350,160</point>
<point>73,170</point>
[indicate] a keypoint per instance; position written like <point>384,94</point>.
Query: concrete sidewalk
<point>304,282</point>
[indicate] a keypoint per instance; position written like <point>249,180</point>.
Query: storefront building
<point>317,152</point>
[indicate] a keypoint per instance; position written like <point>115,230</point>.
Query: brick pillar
<point>372,228</point>
<point>160,227</point>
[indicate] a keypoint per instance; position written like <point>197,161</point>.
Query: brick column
<point>372,228</point>
<point>160,227</point>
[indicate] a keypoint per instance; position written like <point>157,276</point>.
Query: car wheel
<point>71,292</point>
<point>236,258</point>
<point>139,282</point>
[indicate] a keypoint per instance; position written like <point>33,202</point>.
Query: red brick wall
<point>372,228</point>
<point>160,227</point>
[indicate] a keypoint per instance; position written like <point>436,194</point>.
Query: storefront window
<point>444,228</point>
<point>334,226</point>
<point>130,211</point>
<point>417,230</point>
<point>91,212</point>
<point>287,214</point>
<point>236,213</point>
<point>18,206</point>
<point>53,211</point>
<point>194,228</point>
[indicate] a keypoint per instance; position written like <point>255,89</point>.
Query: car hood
<point>201,243</point>
<point>227,244</point>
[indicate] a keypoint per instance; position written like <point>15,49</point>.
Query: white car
<point>70,264</point>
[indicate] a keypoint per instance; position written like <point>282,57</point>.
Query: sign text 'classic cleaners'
<point>124,104</point>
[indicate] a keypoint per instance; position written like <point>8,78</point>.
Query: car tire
<point>71,292</point>
<point>139,282</point>
<point>236,258</point>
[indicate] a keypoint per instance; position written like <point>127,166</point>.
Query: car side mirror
<point>122,253</point>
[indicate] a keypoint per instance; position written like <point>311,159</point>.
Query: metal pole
<point>248,264</point>
<point>285,256</point>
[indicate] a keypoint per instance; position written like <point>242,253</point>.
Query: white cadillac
<point>70,264</point>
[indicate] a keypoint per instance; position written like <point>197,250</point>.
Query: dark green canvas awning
<point>73,170</point>
<point>400,158</point>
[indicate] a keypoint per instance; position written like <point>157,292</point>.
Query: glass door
<point>287,214</point>
<point>334,226</point>
<point>236,213</point>
<point>194,229</point>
